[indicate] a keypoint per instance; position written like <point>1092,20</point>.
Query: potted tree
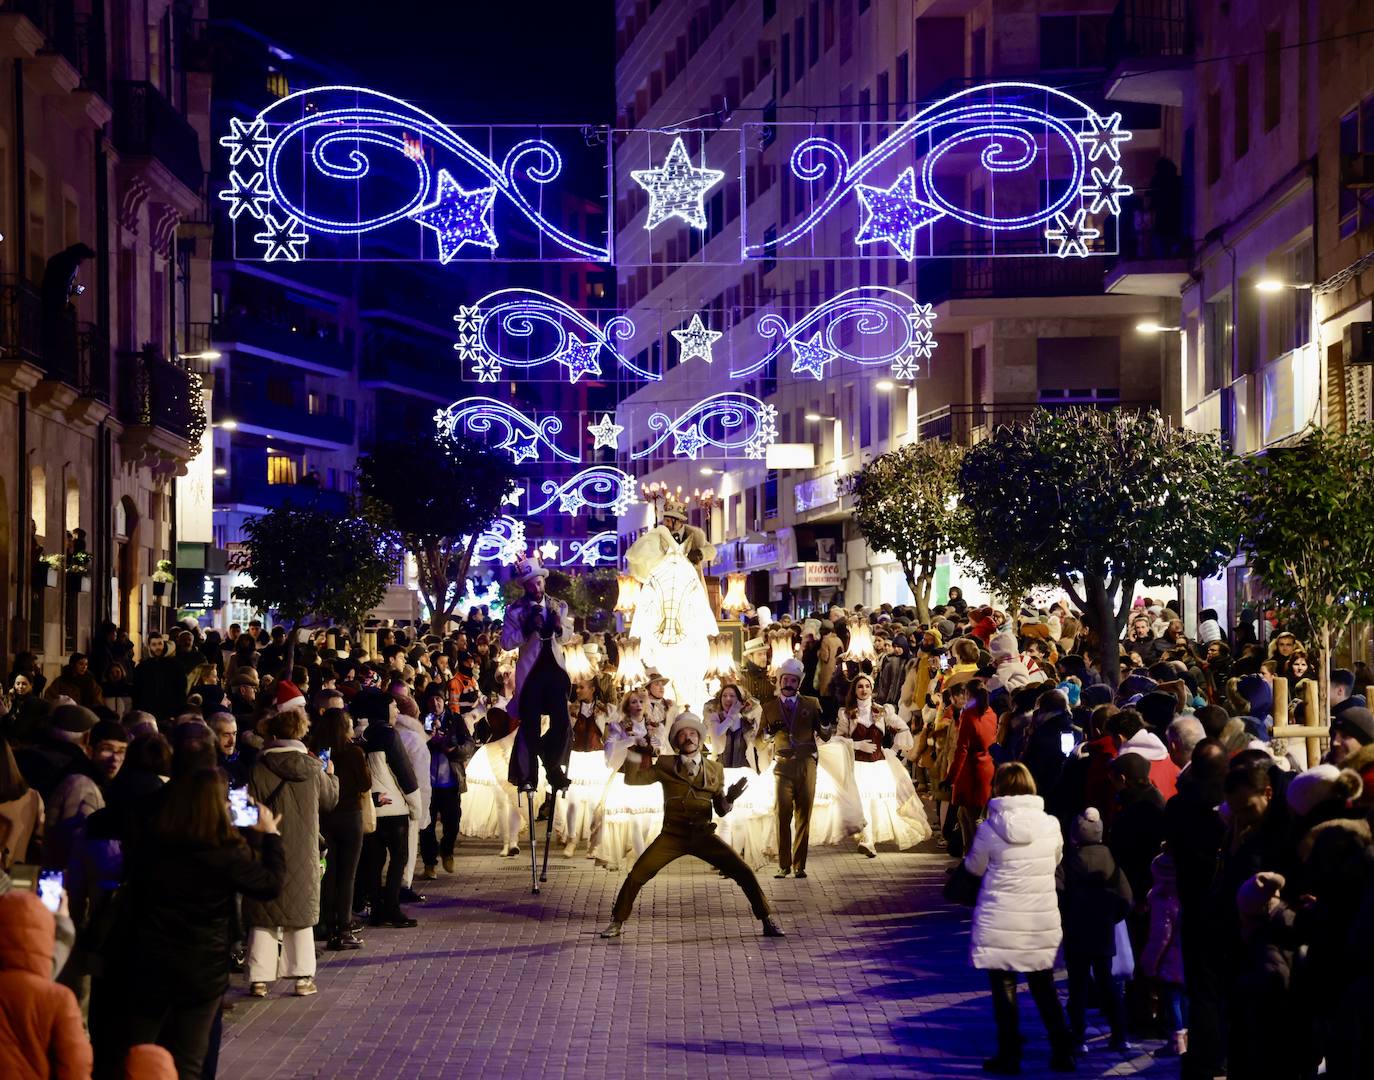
<point>163,576</point>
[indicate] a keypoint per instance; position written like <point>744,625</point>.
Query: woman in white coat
<point>1016,927</point>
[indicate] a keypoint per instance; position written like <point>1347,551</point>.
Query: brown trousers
<point>705,845</point>
<point>796,793</point>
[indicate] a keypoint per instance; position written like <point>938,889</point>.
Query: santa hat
<point>288,696</point>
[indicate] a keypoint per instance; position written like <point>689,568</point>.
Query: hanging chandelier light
<point>735,599</point>
<point>722,664</point>
<point>780,650</point>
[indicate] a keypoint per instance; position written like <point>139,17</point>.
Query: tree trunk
<point>1100,612</point>
<point>1323,686</point>
<point>920,585</point>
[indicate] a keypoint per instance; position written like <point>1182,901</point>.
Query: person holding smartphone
<point>342,828</point>
<point>167,958</point>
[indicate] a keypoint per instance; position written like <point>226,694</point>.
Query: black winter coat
<point>1137,833</point>
<point>176,911</point>
<point>159,686</point>
<point>1094,896</point>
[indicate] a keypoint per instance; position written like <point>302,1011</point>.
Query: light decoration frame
<point>521,437</point>
<point>304,129</point>
<point>600,549</point>
<point>577,341</point>
<point>728,422</point>
<point>895,210</point>
<point>503,542</point>
<point>898,330</point>
<point>696,340</point>
<point>600,488</point>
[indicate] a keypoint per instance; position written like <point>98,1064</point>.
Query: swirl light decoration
<point>1036,131</point>
<point>728,422</point>
<point>888,328</point>
<point>602,549</point>
<point>313,151</point>
<point>557,332</point>
<point>503,542</point>
<point>520,436</point>
<point>600,487</point>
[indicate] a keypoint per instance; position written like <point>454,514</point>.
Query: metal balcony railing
<point>147,125</point>
<point>21,319</point>
<point>78,37</point>
<point>269,337</point>
<point>1149,29</point>
<point>967,423</point>
<point>963,278</point>
<point>155,392</point>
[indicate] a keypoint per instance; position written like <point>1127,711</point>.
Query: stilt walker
<point>538,625</point>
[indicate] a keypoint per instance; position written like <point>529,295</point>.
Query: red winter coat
<point>972,767</point>
<point>40,1026</point>
<point>1098,789</point>
<point>984,628</point>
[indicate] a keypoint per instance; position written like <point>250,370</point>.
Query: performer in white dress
<point>732,719</point>
<point>673,618</point>
<point>579,811</point>
<point>631,816</point>
<point>491,804</point>
<point>892,809</point>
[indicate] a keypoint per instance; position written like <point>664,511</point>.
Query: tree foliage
<point>311,566</point>
<point>436,494</point>
<point>1110,499</point>
<point>1309,533</point>
<point>905,503</point>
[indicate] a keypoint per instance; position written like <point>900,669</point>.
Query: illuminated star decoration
<point>251,195</point>
<point>1072,234</point>
<point>811,357</point>
<point>570,502</point>
<point>1104,136</point>
<point>606,434</point>
<point>281,239</point>
<point>696,340</point>
<point>487,369</point>
<point>1106,190</point>
<point>580,358</point>
<point>512,497</point>
<point>894,214</point>
<point>677,188</point>
<point>523,446</point>
<point>688,442</point>
<point>459,217</point>
<point>469,345</point>
<point>548,549</point>
<point>923,343</point>
<point>467,318</point>
<point>249,141</point>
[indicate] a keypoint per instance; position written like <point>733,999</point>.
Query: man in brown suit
<point>793,723</point>
<point>693,786</point>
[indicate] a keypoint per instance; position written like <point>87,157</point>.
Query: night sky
<point>461,60</point>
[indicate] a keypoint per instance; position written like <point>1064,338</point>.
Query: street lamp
<point>205,354</point>
<point>1157,328</point>
<point>220,470</point>
<point>227,425</point>
<point>1273,285</point>
<point>816,418</point>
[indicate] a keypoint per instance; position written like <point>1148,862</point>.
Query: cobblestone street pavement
<point>871,981</point>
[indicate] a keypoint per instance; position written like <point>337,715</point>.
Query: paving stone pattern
<point>871,981</point>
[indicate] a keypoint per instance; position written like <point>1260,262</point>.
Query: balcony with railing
<point>1150,51</point>
<point>257,494</point>
<point>148,126</point>
<point>973,273</point>
<point>155,393</point>
<point>77,37</point>
<point>64,349</point>
<point>1155,246</point>
<point>255,415</point>
<point>21,320</point>
<point>284,343</point>
<point>970,423</point>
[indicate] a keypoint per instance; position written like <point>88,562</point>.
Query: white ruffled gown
<point>892,809</point>
<point>751,827</point>
<point>578,812</point>
<point>631,816</point>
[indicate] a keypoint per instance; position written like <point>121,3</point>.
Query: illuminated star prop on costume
<point>1106,191</point>
<point>894,214</point>
<point>459,217</point>
<point>1103,136</point>
<point>250,194</point>
<point>810,357</point>
<point>1072,234</point>
<point>677,188</point>
<point>696,340</point>
<point>606,434</point>
<point>246,140</point>
<point>281,239</point>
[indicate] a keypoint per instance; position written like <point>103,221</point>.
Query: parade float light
<point>575,661</point>
<point>630,668</point>
<point>735,599</point>
<point>629,594</point>
<point>861,642</point>
<point>780,650</point>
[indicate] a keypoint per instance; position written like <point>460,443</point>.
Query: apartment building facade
<point>104,125</point>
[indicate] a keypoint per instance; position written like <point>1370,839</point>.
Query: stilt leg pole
<point>534,844</point>
<point>548,834</point>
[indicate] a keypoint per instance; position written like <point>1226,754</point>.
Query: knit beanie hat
<point>1320,784</point>
<point>1087,827</point>
<point>1256,690</point>
<point>1356,721</point>
<point>73,718</point>
<point>1158,707</point>
<point>288,696</point>
<point>1095,695</point>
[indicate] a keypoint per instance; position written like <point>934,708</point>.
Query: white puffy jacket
<point>1016,921</point>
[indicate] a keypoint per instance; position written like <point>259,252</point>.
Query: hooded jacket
<point>1163,772</point>
<point>294,785</point>
<point>1094,896</point>
<point>1016,924</point>
<point>1162,957</point>
<point>1011,672</point>
<point>41,1034</point>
